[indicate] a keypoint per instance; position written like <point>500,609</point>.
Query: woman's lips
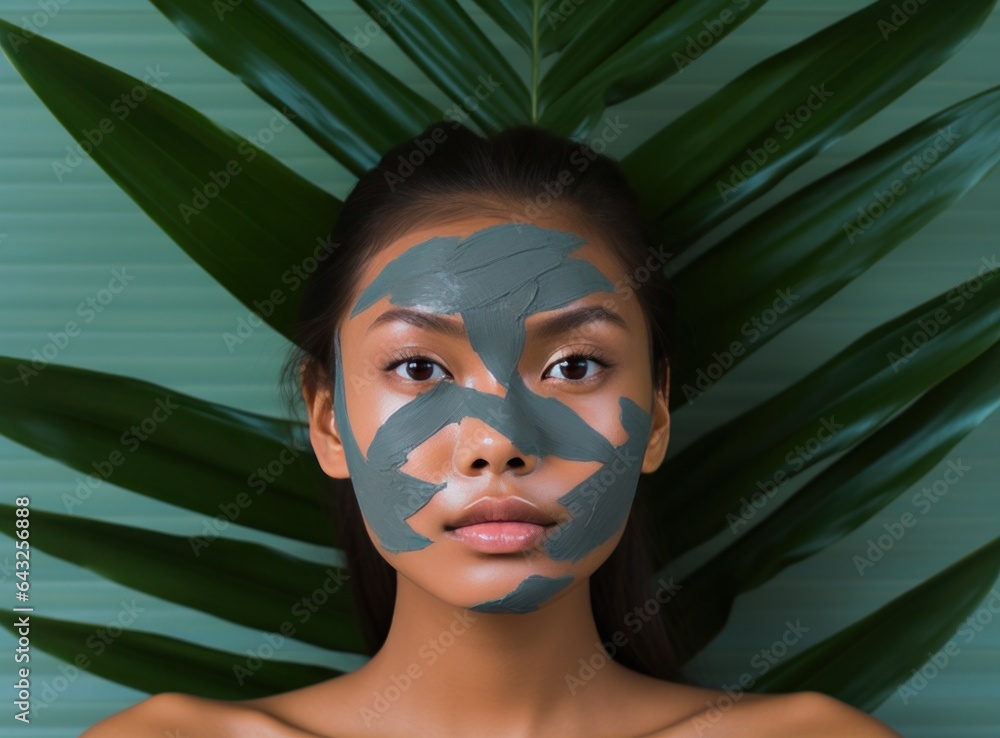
<point>501,536</point>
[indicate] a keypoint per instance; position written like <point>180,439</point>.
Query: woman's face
<point>493,407</point>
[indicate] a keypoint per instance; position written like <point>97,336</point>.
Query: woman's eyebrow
<point>427,321</point>
<point>548,328</point>
<point>567,322</point>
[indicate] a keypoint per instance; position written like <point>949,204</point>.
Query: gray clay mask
<point>494,279</point>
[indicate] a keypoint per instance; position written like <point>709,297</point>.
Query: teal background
<point>60,241</point>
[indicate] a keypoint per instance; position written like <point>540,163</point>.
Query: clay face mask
<point>494,279</point>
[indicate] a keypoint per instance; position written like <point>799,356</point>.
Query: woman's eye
<point>574,368</point>
<point>418,369</point>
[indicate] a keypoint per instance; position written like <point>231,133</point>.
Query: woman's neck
<point>499,674</point>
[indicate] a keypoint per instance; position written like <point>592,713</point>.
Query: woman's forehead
<point>448,267</point>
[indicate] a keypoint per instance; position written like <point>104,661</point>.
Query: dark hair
<point>444,174</point>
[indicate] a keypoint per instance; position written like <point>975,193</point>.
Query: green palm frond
<point>181,666</point>
<point>244,217</point>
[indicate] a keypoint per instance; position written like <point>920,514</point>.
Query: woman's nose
<point>482,449</point>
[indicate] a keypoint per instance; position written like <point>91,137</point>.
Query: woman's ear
<point>659,434</point>
<point>323,435</point>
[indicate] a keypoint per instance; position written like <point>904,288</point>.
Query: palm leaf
<point>787,109</point>
<point>242,215</point>
<point>866,661</point>
<point>856,486</point>
<point>838,404</point>
<point>556,23</point>
<point>816,241</point>
<point>461,66</point>
<point>628,49</point>
<point>268,219</point>
<point>287,54</point>
<point>187,452</point>
<point>561,28</point>
<point>180,666</point>
<point>245,583</point>
<point>513,16</point>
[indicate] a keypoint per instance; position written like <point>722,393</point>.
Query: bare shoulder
<point>818,715</point>
<point>188,716</point>
<point>793,715</point>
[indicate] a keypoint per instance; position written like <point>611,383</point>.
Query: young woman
<point>481,361</point>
